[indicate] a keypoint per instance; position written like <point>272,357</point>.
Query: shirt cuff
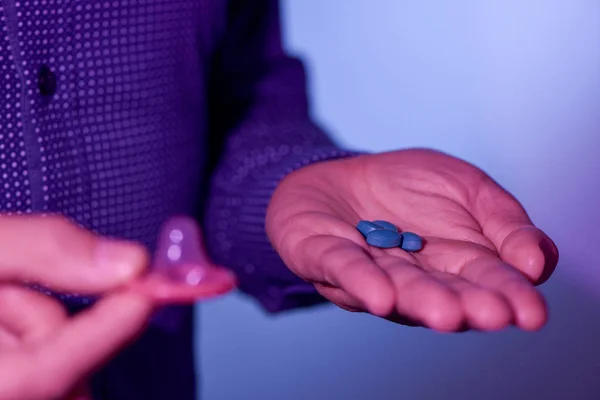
<point>239,239</point>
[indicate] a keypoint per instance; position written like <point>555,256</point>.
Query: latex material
<point>181,271</point>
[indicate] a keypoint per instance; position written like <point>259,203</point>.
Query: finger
<point>29,315</point>
<point>506,224</point>
<point>484,309</point>
<point>89,340</point>
<point>342,263</point>
<point>340,298</point>
<point>53,252</point>
<point>422,298</point>
<point>531,251</point>
<point>528,305</point>
<point>346,302</point>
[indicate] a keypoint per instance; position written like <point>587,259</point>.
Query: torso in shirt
<point>117,144</point>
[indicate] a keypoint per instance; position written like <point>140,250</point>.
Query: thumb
<point>54,252</point>
<point>76,350</point>
<point>92,338</point>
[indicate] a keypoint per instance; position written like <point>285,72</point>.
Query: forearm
<point>260,130</point>
<point>240,194</point>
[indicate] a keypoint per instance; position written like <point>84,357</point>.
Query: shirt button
<point>46,81</point>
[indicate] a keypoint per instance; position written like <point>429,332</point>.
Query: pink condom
<point>181,271</point>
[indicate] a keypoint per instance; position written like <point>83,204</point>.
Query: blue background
<point>512,86</point>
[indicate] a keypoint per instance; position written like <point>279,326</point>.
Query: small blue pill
<point>386,225</point>
<point>365,227</point>
<point>411,241</point>
<point>384,239</point>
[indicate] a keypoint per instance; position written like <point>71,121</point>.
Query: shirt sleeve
<point>260,131</point>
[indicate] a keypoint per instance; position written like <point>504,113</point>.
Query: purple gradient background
<point>512,86</point>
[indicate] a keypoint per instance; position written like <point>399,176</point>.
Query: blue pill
<point>384,239</point>
<point>411,241</point>
<point>365,227</point>
<point>386,225</point>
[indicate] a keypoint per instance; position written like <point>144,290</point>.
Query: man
<point>121,114</point>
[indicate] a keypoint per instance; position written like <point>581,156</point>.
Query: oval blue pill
<point>365,227</point>
<point>384,239</point>
<point>386,225</point>
<point>411,241</point>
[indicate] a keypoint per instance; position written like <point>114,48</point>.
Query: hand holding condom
<point>38,338</point>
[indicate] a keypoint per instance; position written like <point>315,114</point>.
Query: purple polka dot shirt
<point>120,114</point>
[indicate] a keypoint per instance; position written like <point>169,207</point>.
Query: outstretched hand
<point>482,255</point>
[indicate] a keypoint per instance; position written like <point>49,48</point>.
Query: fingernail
<point>121,261</point>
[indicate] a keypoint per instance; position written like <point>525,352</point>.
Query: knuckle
<point>61,237</point>
<point>59,226</point>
